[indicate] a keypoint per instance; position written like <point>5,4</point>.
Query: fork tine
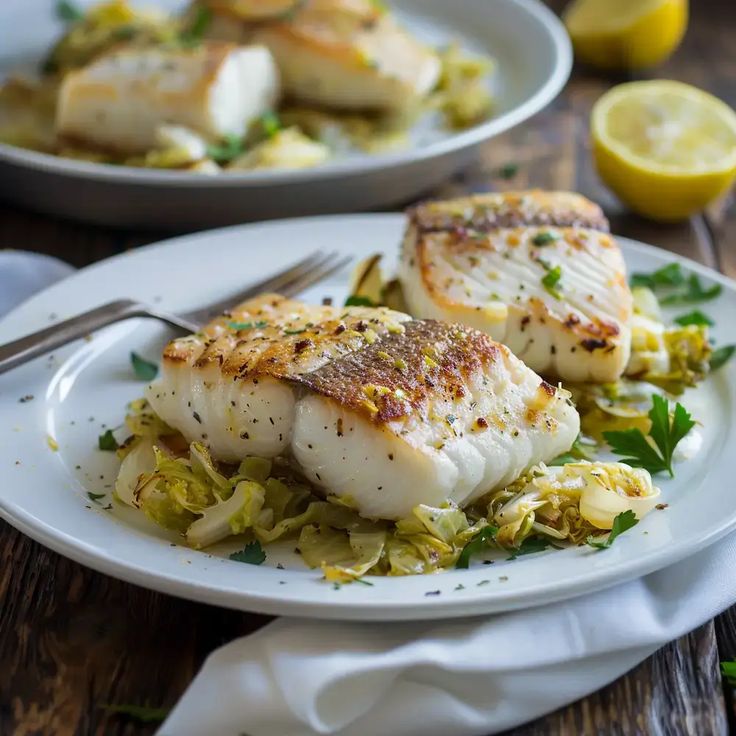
<point>317,275</point>
<point>275,282</point>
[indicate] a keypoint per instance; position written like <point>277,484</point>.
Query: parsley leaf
<point>142,713</point>
<point>665,434</point>
<point>270,124</point>
<point>692,293</point>
<point>251,554</point>
<point>107,441</point>
<point>623,522</point>
<point>550,281</point>
<point>669,275</point>
<point>728,668</point>
<point>354,300</point>
<point>530,546</point>
<point>475,545</point>
<point>144,369</point>
<point>545,238</point>
<point>696,317</point>
<point>95,497</point>
<point>68,12</point>
<point>193,35</point>
<point>230,148</point>
<point>721,356</point>
<point>508,171</point>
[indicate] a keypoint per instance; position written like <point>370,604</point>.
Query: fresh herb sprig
<point>106,441</point>
<point>193,35</point>
<point>728,669</point>
<point>251,554</point>
<point>665,434</point>
<point>141,713</point>
<point>143,369</point>
<point>477,544</point>
<point>355,300</point>
<point>530,546</point>
<point>623,522</point>
<point>696,317</point>
<point>230,148</point>
<point>721,356</point>
<point>675,287</point>
<point>68,12</point>
<point>551,280</point>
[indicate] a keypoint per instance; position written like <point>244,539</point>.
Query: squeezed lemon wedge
<point>625,34</point>
<point>665,148</point>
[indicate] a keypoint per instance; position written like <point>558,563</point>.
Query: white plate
<point>527,40</point>
<point>84,389</point>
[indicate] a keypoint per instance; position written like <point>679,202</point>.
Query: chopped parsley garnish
<point>295,332</point>
<point>355,300</point>
<point>142,713</point>
<point>270,124</point>
<point>231,147</point>
<point>193,35</point>
<point>676,288</point>
<point>530,546</point>
<point>623,522</point>
<point>107,441</point>
<point>144,369</point>
<point>95,497</point>
<point>545,238</point>
<point>665,434</point>
<point>508,171</point>
<point>475,545</point>
<point>721,356</point>
<point>728,668</point>
<point>696,317</point>
<point>68,12</point>
<point>251,554</point>
<point>247,325</point>
<point>550,281</point>
<point>669,275</point>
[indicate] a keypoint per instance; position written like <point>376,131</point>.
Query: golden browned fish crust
<point>274,336</point>
<point>390,379</point>
<point>485,212</point>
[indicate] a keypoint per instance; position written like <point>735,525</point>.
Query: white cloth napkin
<point>23,273</point>
<point>469,677</point>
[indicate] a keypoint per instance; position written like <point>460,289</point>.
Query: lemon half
<point>665,148</point>
<point>625,34</point>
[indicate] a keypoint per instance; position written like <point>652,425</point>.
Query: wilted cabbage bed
<point>181,488</point>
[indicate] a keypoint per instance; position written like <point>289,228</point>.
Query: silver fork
<point>293,280</point>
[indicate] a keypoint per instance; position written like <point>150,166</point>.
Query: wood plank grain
<point>676,692</point>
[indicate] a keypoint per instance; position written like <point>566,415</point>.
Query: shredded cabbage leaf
<point>181,487</point>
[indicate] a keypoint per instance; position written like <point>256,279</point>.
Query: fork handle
<point>20,351</point>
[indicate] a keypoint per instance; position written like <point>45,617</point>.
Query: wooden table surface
<point>72,639</point>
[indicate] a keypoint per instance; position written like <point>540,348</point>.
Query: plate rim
<point>363,609</point>
<point>455,143</point>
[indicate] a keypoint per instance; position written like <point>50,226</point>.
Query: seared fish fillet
<point>378,409</point>
<point>120,100</point>
<point>348,54</point>
<point>535,270</point>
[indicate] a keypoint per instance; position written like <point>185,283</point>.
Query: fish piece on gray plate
<point>347,54</point>
<point>380,410</point>
<point>537,271</point>
<point>121,100</point>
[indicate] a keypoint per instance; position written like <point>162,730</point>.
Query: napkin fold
<point>23,274</point>
<point>466,677</point>
<point>470,677</point>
